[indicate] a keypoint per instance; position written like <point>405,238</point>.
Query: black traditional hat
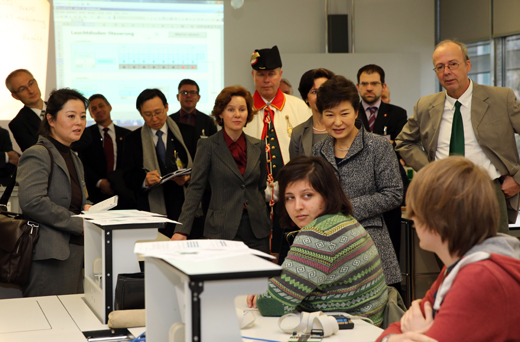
<point>266,59</point>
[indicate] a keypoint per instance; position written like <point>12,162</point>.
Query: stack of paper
<point>117,217</point>
<point>195,250</point>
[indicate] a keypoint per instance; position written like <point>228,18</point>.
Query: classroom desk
<point>63,318</point>
<point>267,328</point>
<point>42,319</point>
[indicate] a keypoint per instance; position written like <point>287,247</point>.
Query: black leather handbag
<point>130,291</point>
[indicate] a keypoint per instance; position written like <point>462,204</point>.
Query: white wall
<point>403,28</point>
<point>399,26</point>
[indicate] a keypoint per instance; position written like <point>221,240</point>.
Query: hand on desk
<point>251,301</point>
<point>510,187</point>
<point>410,337</point>
<point>413,319</point>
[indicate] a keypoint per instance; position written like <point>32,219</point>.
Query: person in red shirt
<point>475,298</point>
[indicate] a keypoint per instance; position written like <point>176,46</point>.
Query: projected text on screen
<point>119,48</point>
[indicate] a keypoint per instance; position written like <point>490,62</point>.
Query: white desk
<point>115,246</point>
<point>267,328</point>
<point>67,316</point>
<point>42,319</point>
<point>201,295</point>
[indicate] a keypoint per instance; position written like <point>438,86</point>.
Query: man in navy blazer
<point>188,97</point>
<point>103,183</point>
<point>25,125</point>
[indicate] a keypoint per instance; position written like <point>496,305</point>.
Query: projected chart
<point>153,57</point>
<point>119,48</point>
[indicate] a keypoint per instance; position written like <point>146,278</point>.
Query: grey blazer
<point>49,205</point>
<point>301,139</point>
<point>230,191</point>
<point>495,117</point>
<point>369,175</point>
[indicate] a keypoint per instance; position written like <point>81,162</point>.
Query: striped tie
<point>372,118</point>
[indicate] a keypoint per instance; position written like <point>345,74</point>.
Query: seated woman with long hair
<point>475,297</point>
<point>333,260</point>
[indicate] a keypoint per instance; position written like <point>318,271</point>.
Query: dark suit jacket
<point>25,127</point>
<point>134,174</point>
<point>230,190</point>
<point>204,122</point>
<point>95,164</point>
<point>388,115</point>
<point>6,169</point>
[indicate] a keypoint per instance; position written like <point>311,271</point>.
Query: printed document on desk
<point>195,250</point>
<point>117,217</point>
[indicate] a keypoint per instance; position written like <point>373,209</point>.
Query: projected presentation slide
<point>119,48</point>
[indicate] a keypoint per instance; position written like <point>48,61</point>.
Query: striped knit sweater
<point>333,265</point>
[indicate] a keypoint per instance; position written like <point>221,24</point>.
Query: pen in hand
<point>148,171</point>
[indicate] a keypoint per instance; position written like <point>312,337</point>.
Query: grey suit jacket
<point>49,205</point>
<point>301,139</point>
<point>230,191</point>
<point>495,117</point>
<point>369,175</point>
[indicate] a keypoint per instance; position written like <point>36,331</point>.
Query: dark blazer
<point>25,127</point>
<point>49,205</point>
<point>6,169</point>
<point>95,163</point>
<point>134,175</point>
<point>230,191</point>
<point>204,122</point>
<point>388,115</point>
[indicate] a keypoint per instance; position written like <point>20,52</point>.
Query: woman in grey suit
<point>365,163</point>
<point>310,132</point>
<point>58,254</point>
<point>235,167</point>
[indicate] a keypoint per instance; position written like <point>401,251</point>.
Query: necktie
<point>108,145</point>
<point>457,133</point>
<point>372,118</point>
<point>42,114</point>
<point>160,148</point>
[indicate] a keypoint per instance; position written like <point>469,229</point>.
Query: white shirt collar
<point>366,105</point>
<point>464,99</point>
<point>111,128</point>
<point>163,129</point>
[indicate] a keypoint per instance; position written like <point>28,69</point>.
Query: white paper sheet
<point>195,250</point>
